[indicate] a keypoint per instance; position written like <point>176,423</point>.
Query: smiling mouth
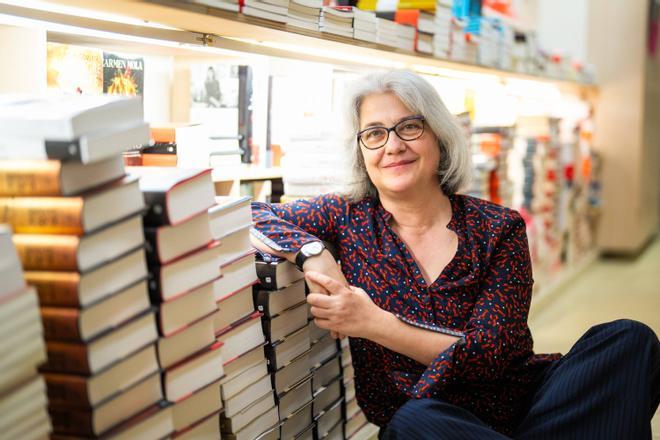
<point>398,164</point>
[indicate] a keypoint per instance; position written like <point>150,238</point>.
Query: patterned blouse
<point>482,296</point>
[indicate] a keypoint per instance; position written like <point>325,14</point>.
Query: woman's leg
<point>606,387</point>
<point>434,419</point>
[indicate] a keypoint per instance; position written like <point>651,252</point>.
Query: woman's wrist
<point>379,325</point>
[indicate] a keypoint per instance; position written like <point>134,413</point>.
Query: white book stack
<point>442,36</point>
<point>464,46</point>
<point>273,10</point>
<point>405,37</point>
<point>387,32</point>
<point>304,14</point>
<point>310,165</point>
<point>365,25</point>
<point>425,33</point>
<point>489,42</point>
<point>337,20</point>
<point>227,5</point>
<point>22,389</point>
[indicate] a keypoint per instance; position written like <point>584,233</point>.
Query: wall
<point>24,51</point>
<point>617,46</point>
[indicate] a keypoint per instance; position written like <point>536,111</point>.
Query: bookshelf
<point>190,25</point>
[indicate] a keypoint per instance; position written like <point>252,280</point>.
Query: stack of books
<point>79,235</point>
<point>246,389</point>
<point>406,37</point>
<point>387,32</point>
<point>304,14</point>
<point>228,5</point>
<point>426,30</point>
<point>273,10</point>
<point>327,383</point>
<point>162,151</point>
<point>23,400</point>
<point>443,26</point>
<point>337,20</point>
<point>280,296</point>
<point>365,25</point>
<point>183,265</point>
<point>464,45</point>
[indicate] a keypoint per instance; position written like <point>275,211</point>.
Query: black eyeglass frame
<point>392,129</point>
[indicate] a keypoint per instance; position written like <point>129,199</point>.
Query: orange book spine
<point>66,357</point>
<point>163,134</point>
<point>61,323</point>
<point>67,389</point>
<point>55,288</point>
<point>43,215</point>
<point>30,178</point>
<point>67,420</point>
<point>159,160</point>
<point>47,252</point>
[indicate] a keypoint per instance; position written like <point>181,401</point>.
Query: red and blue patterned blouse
<point>482,296</point>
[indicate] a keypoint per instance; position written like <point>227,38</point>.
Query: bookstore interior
<point>130,128</point>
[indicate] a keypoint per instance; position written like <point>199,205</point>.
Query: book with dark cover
<point>165,243</point>
<point>277,273</point>
<point>123,75</point>
<point>284,351</point>
<point>286,322</point>
<point>160,148</point>
<point>174,195</point>
<point>274,302</point>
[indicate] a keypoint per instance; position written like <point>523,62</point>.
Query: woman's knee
<point>631,330</point>
<point>410,412</point>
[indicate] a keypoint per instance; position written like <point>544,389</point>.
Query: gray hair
<point>421,98</point>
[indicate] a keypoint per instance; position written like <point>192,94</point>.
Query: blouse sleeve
<point>496,334</point>
<point>287,226</point>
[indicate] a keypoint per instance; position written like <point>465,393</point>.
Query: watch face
<point>311,249</point>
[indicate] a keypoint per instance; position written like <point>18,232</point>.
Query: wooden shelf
<point>237,32</point>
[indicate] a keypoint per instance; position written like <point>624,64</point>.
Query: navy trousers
<point>606,387</point>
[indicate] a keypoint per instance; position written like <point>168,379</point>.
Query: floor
<point>608,289</point>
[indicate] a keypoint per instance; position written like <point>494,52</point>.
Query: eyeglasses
<point>409,129</point>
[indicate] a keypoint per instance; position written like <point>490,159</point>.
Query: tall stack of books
<point>183,265</point>
<point>304,14</point>
<point>79,235</point>
<point>327,383</point>
<point>281,298</point>
<point>273,10</point>
<point>406,37</point>
<point>365,25</point>
<point>246,389</point>
<point>387,32</point>
<point>23,401</point>
<point>495,144</point>
<point>426,30</point>
<point>337,20</point>
<point>443,28</point>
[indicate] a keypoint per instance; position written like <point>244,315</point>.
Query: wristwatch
<point>308,250</point>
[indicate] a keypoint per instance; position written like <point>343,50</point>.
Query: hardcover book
<point>75,215</point>
<point>56,178</point>
<point>174,195</point>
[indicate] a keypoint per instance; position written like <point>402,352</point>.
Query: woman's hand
<point>347,310</point>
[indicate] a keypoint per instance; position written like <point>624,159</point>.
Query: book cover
<point>74,69</point>
<point>123,74</point>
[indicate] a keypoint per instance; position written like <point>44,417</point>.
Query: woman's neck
<point>419,212</point>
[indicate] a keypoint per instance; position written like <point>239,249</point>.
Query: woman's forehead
<point>383,108</point>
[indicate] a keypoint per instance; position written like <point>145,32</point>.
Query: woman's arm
<point>350,311</point>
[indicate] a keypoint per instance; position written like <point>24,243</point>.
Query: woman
<point>434,290</point>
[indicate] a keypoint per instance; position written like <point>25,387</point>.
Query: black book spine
<point>154,285</point>
<point>156,214</point>
<point>271,357</point>
<point>261,300</point>
<point>64,150</point>
<point>267,275</point>
<point>160,148</point>
<point>151,245</point>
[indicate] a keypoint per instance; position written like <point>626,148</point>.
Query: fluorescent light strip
<point>84,13</point>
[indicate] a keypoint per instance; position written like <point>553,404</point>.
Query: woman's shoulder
<point>483,213</point>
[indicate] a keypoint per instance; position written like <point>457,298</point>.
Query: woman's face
<point>400,166</point>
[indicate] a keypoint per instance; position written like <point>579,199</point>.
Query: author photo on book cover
<point>433,288</point>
